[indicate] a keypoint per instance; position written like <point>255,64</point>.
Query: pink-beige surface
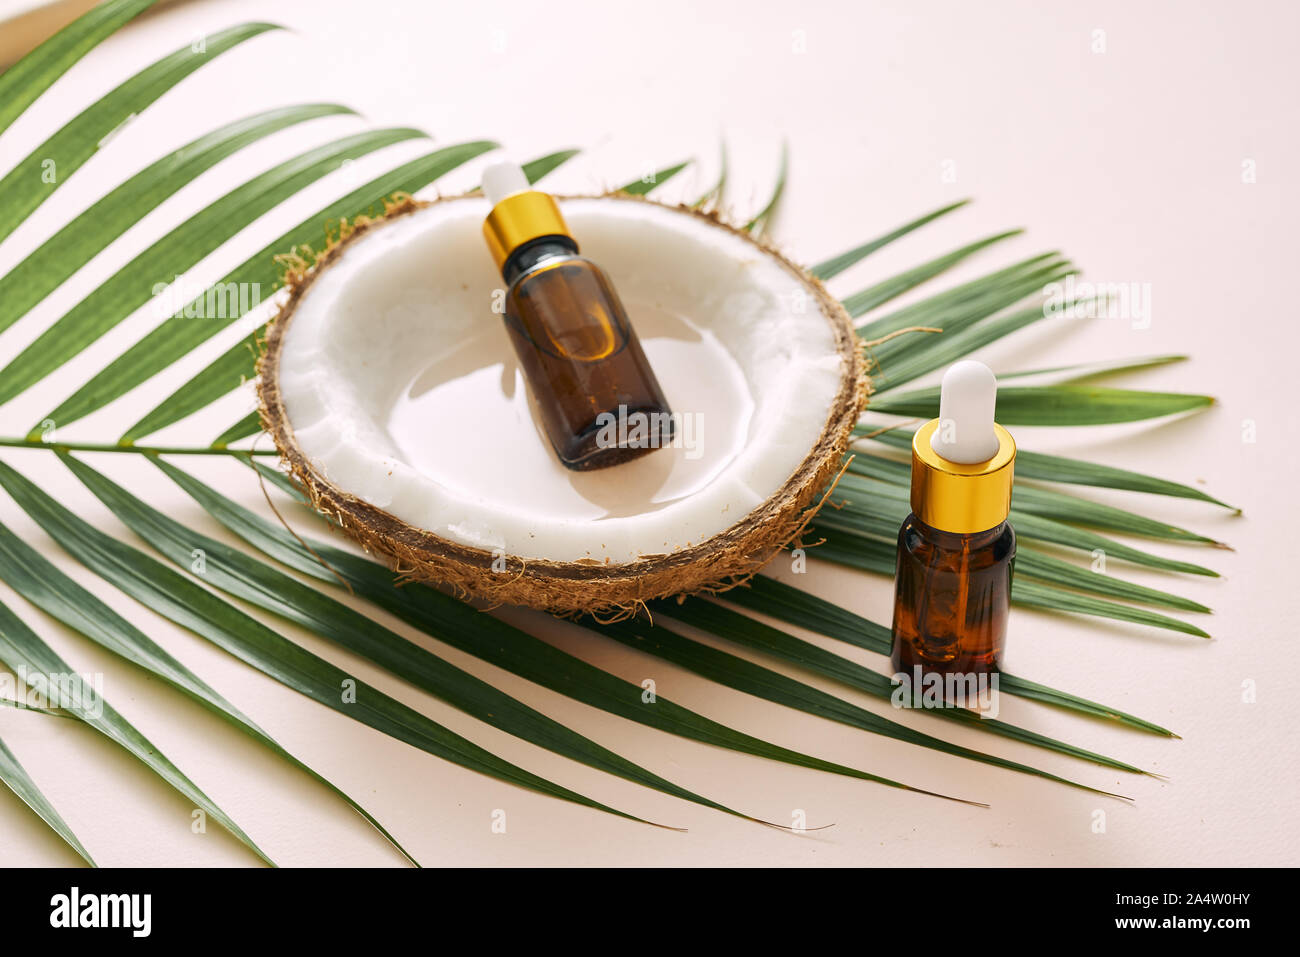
<point>1154,143</point>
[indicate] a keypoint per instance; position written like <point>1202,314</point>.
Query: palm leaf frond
<point>89,233</point>
<point>1058,405</point>
<point>47,167</point>
<point>198,610</point>
<point>15,777</point>
<point>23,83</point>
<point>453,622</point>
<point>39,581</point>
<point>175,253</point>
<point>23,651</point>
<point>243,576</point>
<point>763,220</point>
<point>643,185</point>
<point>829,268</point>
<point>177,336</point>
<point>767,596</point>
<point>1047,502</point>
<point>1070,471</point>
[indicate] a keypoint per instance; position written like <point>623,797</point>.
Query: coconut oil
<point>598,400</point>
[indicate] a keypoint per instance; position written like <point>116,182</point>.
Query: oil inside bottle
<point>953,597</point>
<point>598,399</point>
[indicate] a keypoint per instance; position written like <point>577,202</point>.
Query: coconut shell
<point>603,589</point>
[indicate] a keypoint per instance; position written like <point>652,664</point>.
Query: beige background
<point>1129,160</point>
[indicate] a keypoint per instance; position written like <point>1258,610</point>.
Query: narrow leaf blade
<point>28,185</point>
<point>193,607</point>
<point>21,648</point>
<point>43,584</point>
<point>177,337</point>
<point>31,76</point>
<point>15,777</point>
<point>91,231</point>
<point>1057,405</point>
<point>829,268</point>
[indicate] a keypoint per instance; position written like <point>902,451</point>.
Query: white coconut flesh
<point>401,387</point>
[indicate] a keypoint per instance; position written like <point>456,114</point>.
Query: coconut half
<point>391,389</point>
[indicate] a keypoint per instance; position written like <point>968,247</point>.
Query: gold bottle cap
<point>520,218</point>
<point>962,499</point>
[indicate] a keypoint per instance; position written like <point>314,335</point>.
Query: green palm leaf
<point>243,636</point>
<point>881,533</point>
<point>249,425</point>
<point>1036,527</point>
<point>1086,371</point>
<point>1034,594</point>
<point>882,519</point>
<point>178,336</point>
<point>829,268</point>
<point>173,254</point>
<point>767,596</point>
<point>1058,468</point>
<point>16,779</point>
<point>49,165</point>
<point>877,497</point>
<point>31,76</point>
<point>763,220</point>
<point>461,626</point>
<point>223,375</point>
<point>969,301</point>
<point>376,583</point>
<point>714,197</point>
<point>945,349</point>
<point>25,706</point>
<point>104,221</point>
<point>882,292</point>
<point>642,186</point>
<point>773,686</point>
<point>28,573</point>
<point>715,619</point>
<point>534,170</point>
<point>242,576</point>
<point>875,555</point>
<point>1057,405</point>
<point>734,673</point>
<point>21,649</point>
<point>1052,503</point>
<point>1048,502</point>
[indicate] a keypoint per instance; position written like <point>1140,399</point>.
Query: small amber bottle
<point>956,551</point>
<point>599,401</point>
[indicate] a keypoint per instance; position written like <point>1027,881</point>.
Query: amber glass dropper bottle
<point>598,399</point>
<point>956,551</point>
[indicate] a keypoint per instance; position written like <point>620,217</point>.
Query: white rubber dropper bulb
<point>967,399</point>
<point>504,179</point>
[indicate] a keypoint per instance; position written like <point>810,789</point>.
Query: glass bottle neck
<point>534,252</point>
<point>957,539</point>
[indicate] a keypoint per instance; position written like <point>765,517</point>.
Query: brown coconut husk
<point>609,590</point>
